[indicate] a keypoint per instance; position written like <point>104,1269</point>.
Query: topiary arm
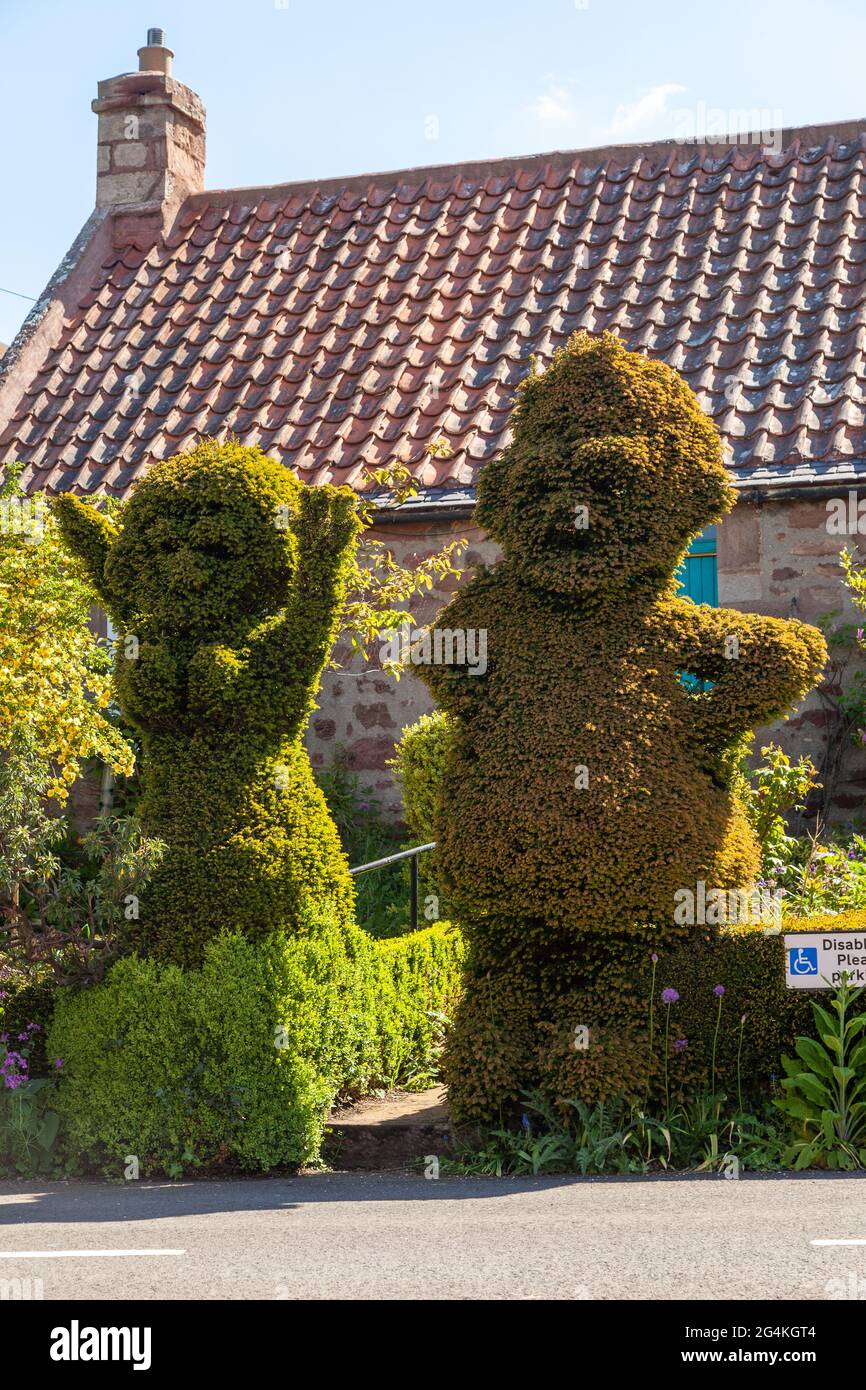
<point>760,666</point>
<point>287,653</point>
<point>89,534</point>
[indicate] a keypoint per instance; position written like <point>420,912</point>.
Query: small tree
<point>54,670</point>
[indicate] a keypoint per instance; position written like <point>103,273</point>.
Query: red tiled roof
<point>351,323</point>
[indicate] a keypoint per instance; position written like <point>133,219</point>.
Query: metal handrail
<point>393,859</point>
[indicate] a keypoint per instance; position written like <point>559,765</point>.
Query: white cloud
<point>629,117</point>
<point>552,105</point>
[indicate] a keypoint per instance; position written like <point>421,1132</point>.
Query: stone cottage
<point>349,323</point>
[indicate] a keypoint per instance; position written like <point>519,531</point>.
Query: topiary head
<point>207,548</point>
<point>613,467</point>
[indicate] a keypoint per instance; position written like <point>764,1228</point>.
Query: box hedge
<point>239,1061</point>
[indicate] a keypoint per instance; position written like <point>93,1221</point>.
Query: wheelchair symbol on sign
<point>803,960</point>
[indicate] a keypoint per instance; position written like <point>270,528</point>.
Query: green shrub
<point>751,967</point>
<point>516,1035</point>
<point>419,760</point>
<point>585,786</point>
<point>239,1061</point>
<point>26,999</point>
<point>225,581</point>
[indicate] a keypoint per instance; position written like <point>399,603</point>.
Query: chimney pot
<point>155,57</point>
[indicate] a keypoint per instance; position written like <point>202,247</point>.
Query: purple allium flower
<point>669,996</point>
<point>654,958</point>
<point>680,1044</point>
<point>58,1061</point>
<point>718,990</point>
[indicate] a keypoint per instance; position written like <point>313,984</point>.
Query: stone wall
<point>781,557</point>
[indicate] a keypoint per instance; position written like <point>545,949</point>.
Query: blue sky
<point>297,89</point>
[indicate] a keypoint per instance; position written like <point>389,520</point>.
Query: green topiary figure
<point>225,585</point>
<point>586,785</point>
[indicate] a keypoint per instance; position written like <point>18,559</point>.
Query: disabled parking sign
<point>819,962</point>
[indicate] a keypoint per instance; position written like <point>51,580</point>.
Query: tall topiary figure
<point>585,784</point>
<point>225,584</point>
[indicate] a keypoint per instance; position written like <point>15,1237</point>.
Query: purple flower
<point>859,634</point>
<point>669,996</point>
<point>718,990</point>
<point>680,1044</point>
<point>654,958</point>
<point>524,1120</point>
<point>58,1061</point>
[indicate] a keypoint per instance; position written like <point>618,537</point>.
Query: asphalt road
<point>384,1236</point>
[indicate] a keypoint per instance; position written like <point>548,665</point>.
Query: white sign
<point>818,962</point>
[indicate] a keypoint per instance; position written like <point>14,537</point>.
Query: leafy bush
<point>419,761</point>
<point>585,786</point>
<point>55,691</point>
<point>72,921</point>
<point>825,1088</point>
<point>769,792</point>
<point>239,1061</point>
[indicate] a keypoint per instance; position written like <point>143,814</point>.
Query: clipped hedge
<point>238,1062</point>
<point>751,967</point>
<point>541,1024</point>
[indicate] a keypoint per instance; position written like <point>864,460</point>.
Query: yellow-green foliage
<point>419,761</point>
<point>239,1061</point>
<point>585,784</point>
<point>225,585</point>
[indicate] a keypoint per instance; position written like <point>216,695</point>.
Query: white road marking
<point>79,1254</point>
<point>837,1242</point>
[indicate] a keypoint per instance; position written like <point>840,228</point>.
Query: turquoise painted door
<point>699,581</point>
<point>697,574</point>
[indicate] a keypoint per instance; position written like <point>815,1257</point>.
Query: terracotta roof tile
<point>341,327</point>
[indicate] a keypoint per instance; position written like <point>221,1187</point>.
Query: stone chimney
<point>151,138</point>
